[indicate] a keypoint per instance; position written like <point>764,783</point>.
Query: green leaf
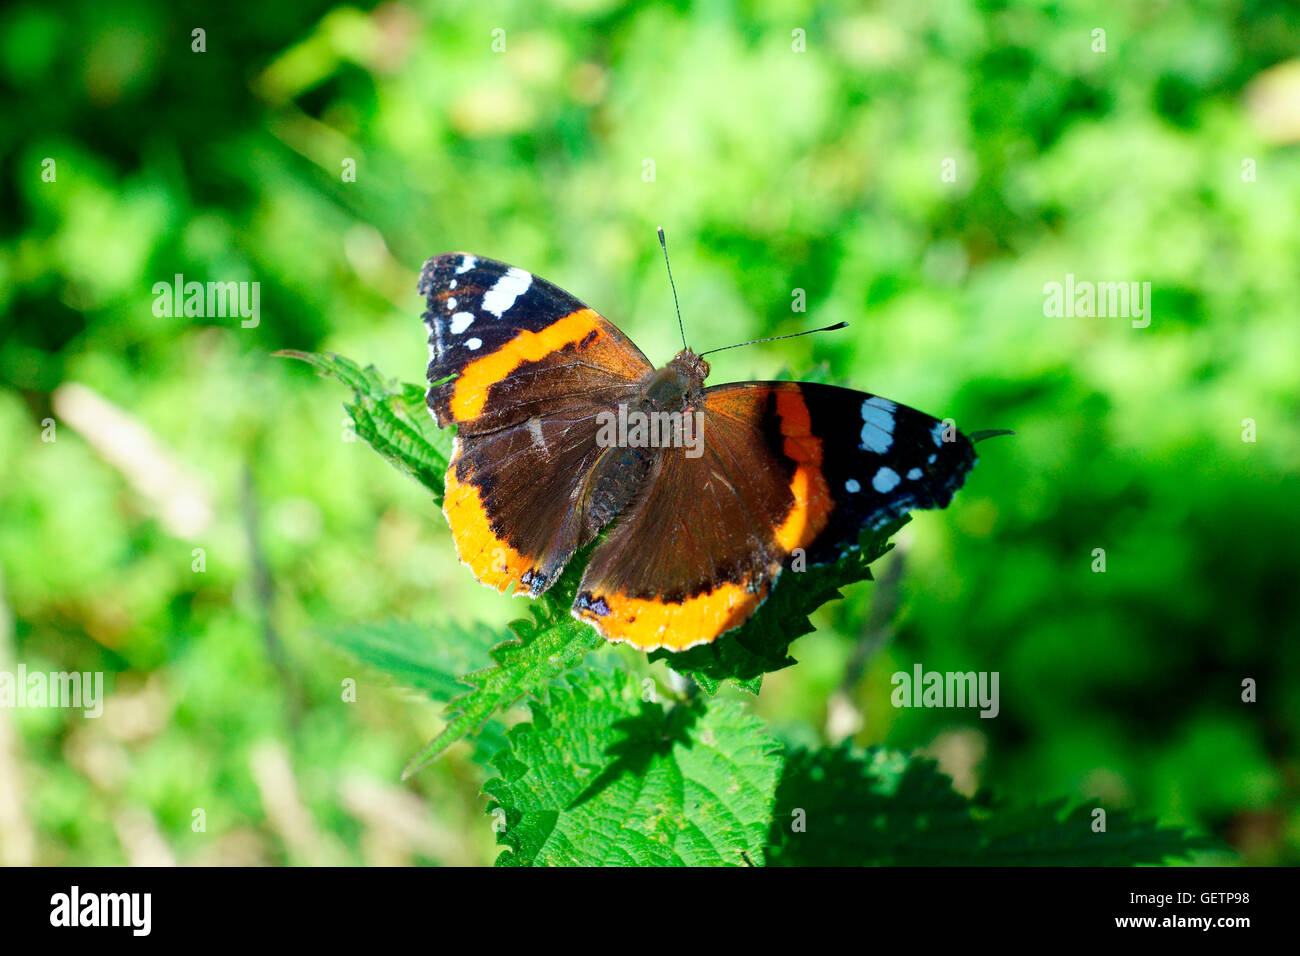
<point>762,644</point>
<point>1049,833</point>
<point>837,807</point>
<point>987,433</point>
<point>391,417</point>
<point>546,644</point>
<point>602,777</point>
<point>404,652</point>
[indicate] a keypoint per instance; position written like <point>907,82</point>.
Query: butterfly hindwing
<point>785,466</point>
<point>509,497</point>
<point>696,553</point>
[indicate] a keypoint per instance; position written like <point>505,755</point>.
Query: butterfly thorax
<point>677,386</point>
<point>621,474</point>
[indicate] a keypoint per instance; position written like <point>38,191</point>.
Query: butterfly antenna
<point>792,335</point>
<point>664,243</point>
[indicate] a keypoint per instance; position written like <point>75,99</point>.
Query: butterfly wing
<point>516,345</point>
<point>522,368</point>
<point>877,460</point>
<point>785,465</point>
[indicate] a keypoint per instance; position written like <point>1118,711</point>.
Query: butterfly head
<point>679,384</point>
<point>691,365</point>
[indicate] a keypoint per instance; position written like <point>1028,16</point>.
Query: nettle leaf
<point>602,777</point>
<point>548,643</point>
<point>391,417</point>
<point>402,651</point>
<point>1051,834</point>
<point>762,644</point>
<point>840,807</point>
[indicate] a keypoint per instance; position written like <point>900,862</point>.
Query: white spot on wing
<point>461,321</point>
<point>509,287</point>
<point>852,486</point>
<point>466,263</point>
<point>451,303</point>
<point>886,480</point>
<point>878,425</point>
<point>914,474</point>
<point>535,429</point>
<point>937,433</point>
<point>451,284</point>
<point>473,344</point>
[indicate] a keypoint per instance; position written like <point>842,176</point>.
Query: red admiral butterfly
<point>558,413</point>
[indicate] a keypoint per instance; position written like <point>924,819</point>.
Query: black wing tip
<point>429,272</point>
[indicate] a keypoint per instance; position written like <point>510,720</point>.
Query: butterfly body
<point>704,495</point>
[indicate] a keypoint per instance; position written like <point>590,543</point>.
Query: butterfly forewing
<point>517,346</point>
<point>875,459</point>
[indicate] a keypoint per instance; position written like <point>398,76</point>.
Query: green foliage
<point>548,643</point>
<point>405,653</point>
<point>438,668</point>
<point>392,418</point>
<point>1168,158</point>
<point>837,807</point>
<point>601,776</point>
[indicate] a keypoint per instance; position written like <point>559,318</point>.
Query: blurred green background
<point>558,145</point>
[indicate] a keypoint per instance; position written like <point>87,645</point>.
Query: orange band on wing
<point>471,386</point>
<point>650,624</point>
<point>812,504</point>
<point>493,562</point>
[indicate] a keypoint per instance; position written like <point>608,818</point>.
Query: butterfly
<point>702,495</point>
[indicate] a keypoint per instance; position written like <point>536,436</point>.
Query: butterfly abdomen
<point>618,479</point>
